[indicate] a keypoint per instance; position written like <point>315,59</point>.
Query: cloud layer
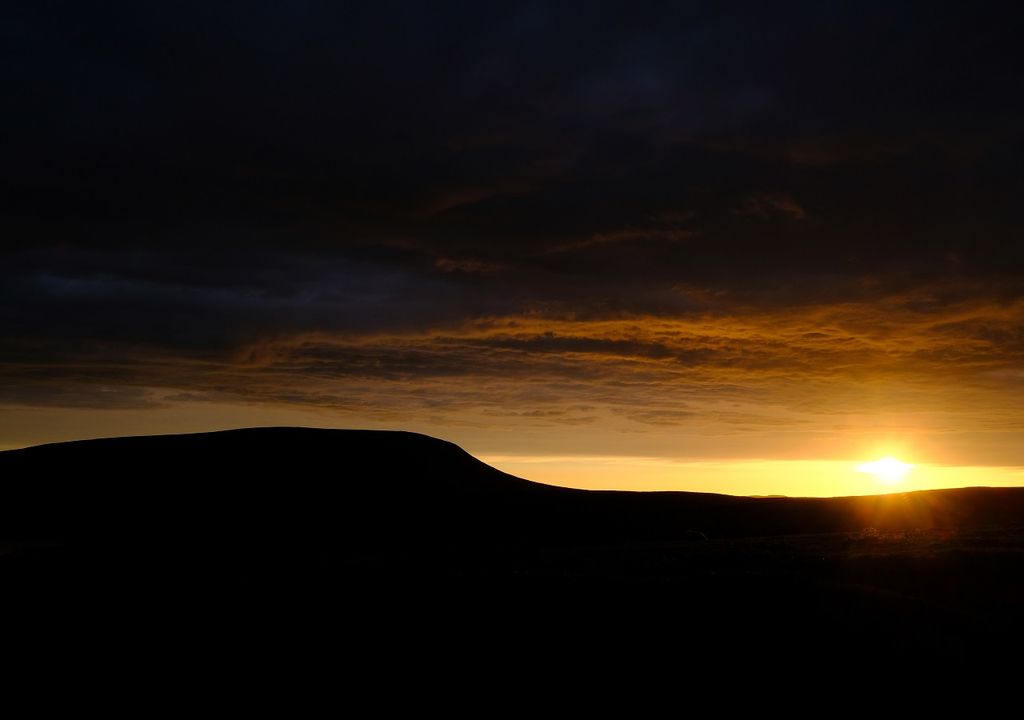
<point>632,219</point>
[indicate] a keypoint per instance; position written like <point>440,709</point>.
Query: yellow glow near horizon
<point>628,462</point>
<point>794,478</point>
<point>888,470</point>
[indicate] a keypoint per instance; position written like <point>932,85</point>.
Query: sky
<point>722,246</point>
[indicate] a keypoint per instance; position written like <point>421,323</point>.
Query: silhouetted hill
<point>277,483</point>
<point>391,539</point>
<point>286,485</point>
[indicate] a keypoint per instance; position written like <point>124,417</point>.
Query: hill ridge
<point>401,484</point>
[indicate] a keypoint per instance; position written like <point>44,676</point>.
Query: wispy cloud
<point>745,372</point>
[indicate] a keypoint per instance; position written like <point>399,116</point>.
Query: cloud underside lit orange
<point>817,382</point>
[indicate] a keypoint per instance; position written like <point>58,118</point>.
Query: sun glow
<point>795,478</point>
<point>888,470</point>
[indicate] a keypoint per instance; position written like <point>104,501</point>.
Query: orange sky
<point>786,474</point>
<point>735,400</point>
<point>702,246</point>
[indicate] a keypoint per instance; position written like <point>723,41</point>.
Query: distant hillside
<point>270,482</point>
<point>297,539</point>
<point>277,485</point>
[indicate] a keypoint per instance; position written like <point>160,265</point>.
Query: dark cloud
<point>442,208</point>
<point>792,367</point>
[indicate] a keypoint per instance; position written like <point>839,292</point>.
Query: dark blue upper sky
<point>336,125</point>
<point>185,180</point>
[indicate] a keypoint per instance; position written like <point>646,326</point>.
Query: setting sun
<point>888,470</point>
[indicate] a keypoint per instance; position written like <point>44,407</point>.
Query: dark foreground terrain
<point>387,547</point>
